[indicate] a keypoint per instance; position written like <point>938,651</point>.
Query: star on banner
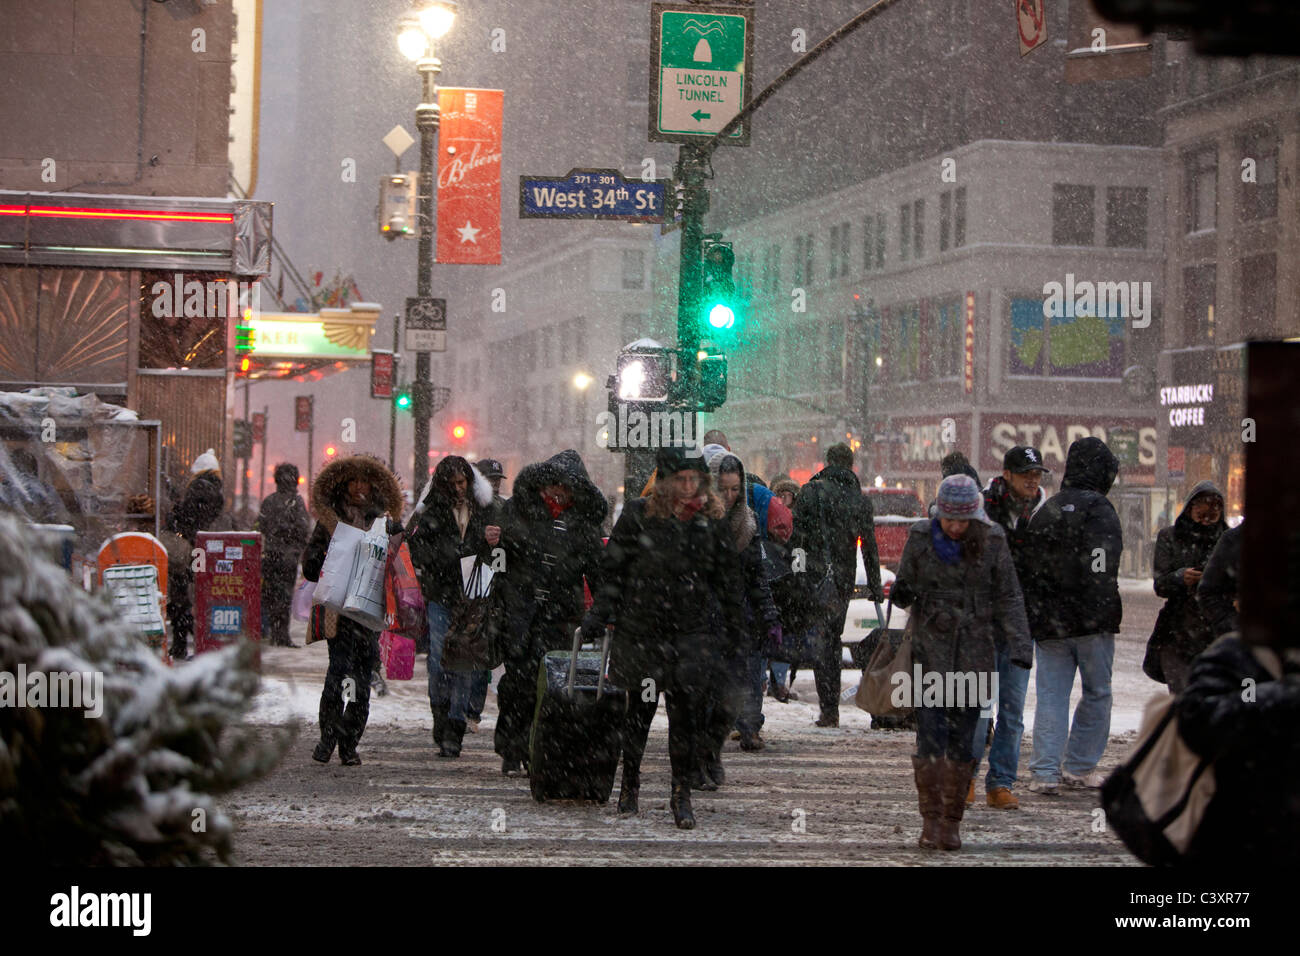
<point>468,233</point>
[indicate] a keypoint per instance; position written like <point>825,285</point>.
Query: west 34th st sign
<point>700,71</point>
<point>592,194</point>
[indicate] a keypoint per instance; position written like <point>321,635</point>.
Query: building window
<point>833,266</point>
<point>880,241</point>
<point>834,363</point>
<point>904,230</point>
<point>959,217</point>
<point>772,269</point>
<point>945,219</point>
<point>868,242</point>
<point>808,258</point>
<point>1198,304</point>
<point>844,249</point>
<point>798,260</point>
<point>1259,297</point>
<point>633,327</point>
<point>1126,217</point>
<point>1072,215</point>
<point>918,222</point>
<point>1200,182</point>
<point>945,359</point>
<point>633,269</point>
<point>1258,199</point>
<point>907,352</point>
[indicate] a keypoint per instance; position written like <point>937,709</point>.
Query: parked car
<point>896,509</point>
<point>861,619</point>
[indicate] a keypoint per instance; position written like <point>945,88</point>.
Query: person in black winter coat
<point>1241,709</point>
<point>737,692</point>
<point>454,519</point>
<point>668,560</point>
<point>284,525</point>
<point>201,508</point>
<point>1181,630</point>
<point>355,490</point>
<point>833,516</point>
<point>1082,543</point>
<point>1217,592</point>
<point>551,533</point>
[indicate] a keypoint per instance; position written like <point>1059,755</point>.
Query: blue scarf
<point>948,550</point>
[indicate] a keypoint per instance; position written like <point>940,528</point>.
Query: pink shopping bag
<point>398,655</point>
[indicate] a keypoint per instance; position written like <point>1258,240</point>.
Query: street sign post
<point>426,324</point>
<point>701,69</point>
<point>592,194</point>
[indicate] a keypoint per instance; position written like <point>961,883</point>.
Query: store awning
<point>231,236</point>
<point>308,346</point>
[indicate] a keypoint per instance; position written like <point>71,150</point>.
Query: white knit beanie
<point>205,462</point>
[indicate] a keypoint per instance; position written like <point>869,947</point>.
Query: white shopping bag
<point>365,601</point>
<point>336,573</point>
<point>475,587</point>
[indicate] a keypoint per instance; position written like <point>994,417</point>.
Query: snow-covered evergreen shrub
<point>134,785</point>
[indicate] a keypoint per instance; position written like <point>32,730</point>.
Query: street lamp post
<point>419,29</point>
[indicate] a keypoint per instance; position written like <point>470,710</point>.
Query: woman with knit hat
<point>957,578</point>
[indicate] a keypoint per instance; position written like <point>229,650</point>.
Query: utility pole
<point>392,401</point>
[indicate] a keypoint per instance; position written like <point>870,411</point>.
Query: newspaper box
<point>227,589</point>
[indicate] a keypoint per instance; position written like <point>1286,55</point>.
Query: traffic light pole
<point>392,401</point>
<point>426,121</point>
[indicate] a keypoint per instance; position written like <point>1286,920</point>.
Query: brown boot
<point>930,798</point>
<point>955,778</point>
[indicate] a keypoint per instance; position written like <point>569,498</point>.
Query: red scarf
<point>686,511</point>
<point>555,507</point>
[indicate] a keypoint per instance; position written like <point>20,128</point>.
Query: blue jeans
<point>780,673</point>
<point>750,720</point>
<point>1004,754</point>
<point>446,688</point>
<point>1093,656</point>
<point>478,688</point>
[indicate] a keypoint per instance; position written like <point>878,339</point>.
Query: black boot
<point>629,790</point>
<point>348,753</point>
<point>324,749</point>
<point>451,739</point>
<point>439,730</point>
<point>713,770</point>
<point>680,804</point>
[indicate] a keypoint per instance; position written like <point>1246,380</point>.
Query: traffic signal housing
<point>718,294</point>
<point>713,380</point>
<point>243,439</point>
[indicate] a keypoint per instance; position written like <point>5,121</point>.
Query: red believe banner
<point>469,176</point>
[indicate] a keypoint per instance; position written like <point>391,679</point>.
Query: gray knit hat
<point>960,499</point>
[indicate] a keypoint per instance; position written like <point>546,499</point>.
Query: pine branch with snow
<point>135,784</point>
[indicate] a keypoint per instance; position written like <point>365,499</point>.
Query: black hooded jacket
<point>833,514</point>
<point>435,541</point>
<point>200,507</point>
<point>283,518</point>
<point>546,557</point>
<point>1081,546</point>
<point>1217,592</point>
<point>1184,545</point>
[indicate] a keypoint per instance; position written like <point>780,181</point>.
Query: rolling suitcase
<point>577,728</point>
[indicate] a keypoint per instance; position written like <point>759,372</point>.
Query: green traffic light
<point>403,400</point>
<point>721,316</point>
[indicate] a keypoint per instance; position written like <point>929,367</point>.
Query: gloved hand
<point>394,528</point>
<point>593,629</point>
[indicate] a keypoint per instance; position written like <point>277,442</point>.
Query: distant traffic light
<point>459,432</point>
<point>719,289</point>
<point>402,399</point>
<point>397,215</point>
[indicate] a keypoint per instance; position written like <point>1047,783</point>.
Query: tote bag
<point>365,602</point>
<point>336,573</point>
<point>893,655</point>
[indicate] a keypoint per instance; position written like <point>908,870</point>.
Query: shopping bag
<point>302,600</point>
<point>398,654</point>
<point>893,655</point>
<point>336,573</point>
<point>365,598</point>
<point>403,598</point>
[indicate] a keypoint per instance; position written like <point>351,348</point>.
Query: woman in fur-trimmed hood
<point>737,694</point>
<point>455,517</point>
<point>551,533</point>
<point>355,490</point>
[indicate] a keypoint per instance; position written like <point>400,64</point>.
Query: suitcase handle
<point>573,663</point>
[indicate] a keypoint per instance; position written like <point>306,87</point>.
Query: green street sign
<point>700,72</point>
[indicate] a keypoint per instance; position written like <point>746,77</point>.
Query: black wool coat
<point>1185,544</point>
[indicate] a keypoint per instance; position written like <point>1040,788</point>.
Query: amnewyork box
<point>227,589</point>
